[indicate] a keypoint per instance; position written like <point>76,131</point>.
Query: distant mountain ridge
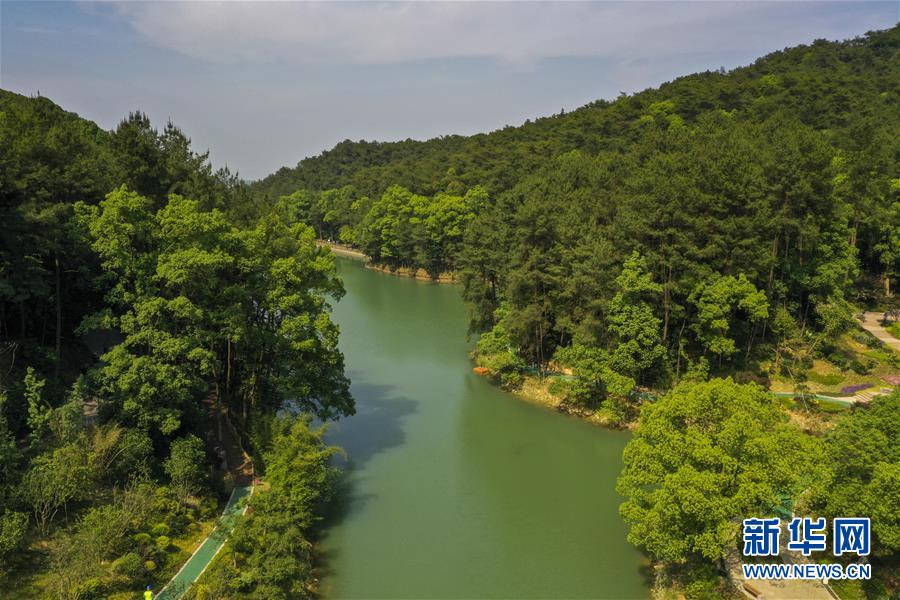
<point>815,83</point>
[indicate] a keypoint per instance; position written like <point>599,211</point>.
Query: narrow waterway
<point>454,488</point>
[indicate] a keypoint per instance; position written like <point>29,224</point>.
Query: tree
<point>13,527</point>
<point>10,455</point>
<point>596,380</point>
<point>272,554</point>
<point>631,319</point>
<point>38,411</point>
<point>865,479</point>
<point>703,457</point>
<point>53,480</point>
<point>495,352</point>
<point>717,304</point>
<point>186,465</point>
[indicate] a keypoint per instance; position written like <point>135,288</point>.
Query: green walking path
<point>197,563</point>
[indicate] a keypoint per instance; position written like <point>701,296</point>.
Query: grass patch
<point>894,329</point>
<point>848,589</point>
<point>826,378</point>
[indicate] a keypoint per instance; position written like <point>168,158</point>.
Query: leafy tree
<point>38,411</point>
<point>13,528</point>
<point>186,465</point>
<point>632,320</point>
<point>703,457</point>
<point>716,304</point>
<point>53,480</point>
<point>495,352</point>
<point>865,460</point>
<point>596,380</point>
<point>272,554</point>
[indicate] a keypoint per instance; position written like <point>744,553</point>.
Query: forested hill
<point>717,222</point>
<point>147,305</point>
<point>821,85</point>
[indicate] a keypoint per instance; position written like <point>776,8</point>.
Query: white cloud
<point>518,32</point>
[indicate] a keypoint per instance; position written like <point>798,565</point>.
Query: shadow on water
<point>376,427</point>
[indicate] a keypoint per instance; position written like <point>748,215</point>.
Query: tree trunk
<point>58,320</point>
<point>750,343</point>
<point>218,412</point>
<point>774,261</point>
<point>678,359</point>
<point>228,370</point>
<point>665,333</point>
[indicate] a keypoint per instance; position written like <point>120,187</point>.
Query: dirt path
<point>872,324</point>
<point>226,444</point>
<point>342,250</point>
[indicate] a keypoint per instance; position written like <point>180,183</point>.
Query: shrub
<point>761,380</point>
<point>160,529</point>
<point>13,527</point>
<point>859,368</point>
<point>163,542</point>
<point>129,565</point>
<point>839,360</point>
<point>92,589</point>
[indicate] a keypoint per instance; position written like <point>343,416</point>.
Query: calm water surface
<point>454,488</point>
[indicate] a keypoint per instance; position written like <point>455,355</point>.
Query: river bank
<point>419,274</point>
<point>537,390</point>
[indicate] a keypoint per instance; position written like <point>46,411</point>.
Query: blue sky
<point>264,84</point>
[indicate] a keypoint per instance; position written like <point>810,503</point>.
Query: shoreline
<point>535,391</point>
<point>419,274</point>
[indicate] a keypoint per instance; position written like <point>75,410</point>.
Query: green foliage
<point>53,480</point>
<point>865,456</point>
<point>113,539</point>
<point>13,528</point>
<point>742,211</point>
<point>270,548</point>
<point>703,457</point>
<point>596,380</point>
<point>130,565</point>
<point>38,410</point>
<point>716,303</point>
<point>198,298</point>
<point>632,320</point>
<point>402,229</point>
<point>195,292</point>
<point>186,465</point>
<point>495,352</point>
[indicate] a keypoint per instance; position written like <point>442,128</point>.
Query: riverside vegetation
<point>710,238</point>
<point>204,308</point>
<point>714,237</point>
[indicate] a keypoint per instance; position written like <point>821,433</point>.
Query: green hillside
<point>826,86</point>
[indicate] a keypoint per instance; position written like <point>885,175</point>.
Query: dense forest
<point>148,309</point>
<point>707,224</point>
<point>660,261</point>
<point>725,225</point>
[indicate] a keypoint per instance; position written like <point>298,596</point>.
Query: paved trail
<point>872,324</point>
<point>204,553</point>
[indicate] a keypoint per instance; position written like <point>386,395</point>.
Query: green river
<point>454,488</point>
